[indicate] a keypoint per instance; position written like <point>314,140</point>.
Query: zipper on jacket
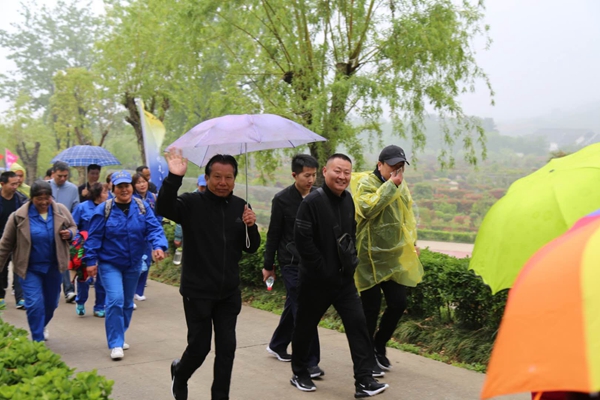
<point>224,251</point>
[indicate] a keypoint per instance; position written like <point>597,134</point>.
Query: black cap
<point>392,155</point>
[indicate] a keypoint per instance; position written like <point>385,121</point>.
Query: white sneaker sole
<point>274,354</point>
<point>370,393</point>
<point>383,367</point>
<point>295,383</point>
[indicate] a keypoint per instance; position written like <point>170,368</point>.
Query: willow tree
<point>147,54</point>
<point>338,67</point>
<point>335,66</point>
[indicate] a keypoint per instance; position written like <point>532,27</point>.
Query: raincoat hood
<point>23,188</point>
<point>386,232</point>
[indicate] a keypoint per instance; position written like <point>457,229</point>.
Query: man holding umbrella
<point>216,220</point>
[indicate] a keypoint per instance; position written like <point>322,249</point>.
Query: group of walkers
<point>333,248</point>
<point>118,235</point>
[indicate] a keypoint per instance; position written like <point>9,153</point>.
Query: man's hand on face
<point>176,162</point>
<point>248,216</point>
<point>397,176</point>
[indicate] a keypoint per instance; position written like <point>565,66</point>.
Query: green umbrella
<point>535,210</point>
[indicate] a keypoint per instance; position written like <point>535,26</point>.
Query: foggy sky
<point>545,57</point>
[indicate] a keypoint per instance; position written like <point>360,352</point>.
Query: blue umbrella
<point>82,156</point>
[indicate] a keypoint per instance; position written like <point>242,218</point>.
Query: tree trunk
<point>30,160</point>
<point>133,118</point>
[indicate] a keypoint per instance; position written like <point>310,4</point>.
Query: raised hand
<point>176,162</point>
<point>397,176</point>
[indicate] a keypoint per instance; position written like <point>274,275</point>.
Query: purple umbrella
<point>240,134</point>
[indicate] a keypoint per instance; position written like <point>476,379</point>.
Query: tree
<point>78,106</point>
<point>48,40</point>
<point>71,106</point>
<point>26,134</point>
<point>333,66</point>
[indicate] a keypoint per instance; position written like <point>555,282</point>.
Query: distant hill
<point>585,118</point>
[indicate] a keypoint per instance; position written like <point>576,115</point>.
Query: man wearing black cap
<point>386,240</point>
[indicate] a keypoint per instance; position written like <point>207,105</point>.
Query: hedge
<point>29,370</point>
<point>449,292</point>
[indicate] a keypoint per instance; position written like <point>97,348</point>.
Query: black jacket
<point>315,239</point>
<point>215,237</point>
<point>280,236</point>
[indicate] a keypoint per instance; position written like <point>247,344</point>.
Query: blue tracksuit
<point>41,285</point>
<point>116,244</point>
<point>82,215</point>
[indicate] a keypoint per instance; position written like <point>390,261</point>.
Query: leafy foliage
<point>47,41</point>
<point>29,370</point>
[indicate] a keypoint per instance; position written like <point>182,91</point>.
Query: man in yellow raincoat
<point>386,241</point>
<point>20,171</point>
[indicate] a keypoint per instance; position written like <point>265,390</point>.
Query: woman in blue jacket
<point>38,236</point>
<point>98,193</point>
<point>119,231</point>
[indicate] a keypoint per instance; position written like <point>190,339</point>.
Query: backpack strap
<point>140,204</point>
<point>107,208</point>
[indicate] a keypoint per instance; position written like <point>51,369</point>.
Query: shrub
<point>29,370</point>
<point>453,293</point>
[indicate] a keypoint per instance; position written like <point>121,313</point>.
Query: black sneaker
<point>382,361</point>
<point>178,390</point>
<point>315,371</point>
<point>377,371</point>
<point>280,355</point>
<point>304,384</point>
<point>369,387</point>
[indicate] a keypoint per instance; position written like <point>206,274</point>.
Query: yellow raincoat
<point>386,232</point>
<point>23,188</point>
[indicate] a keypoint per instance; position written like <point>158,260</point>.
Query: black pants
<point>313,301</point>
<point>4,284</point>
<point>200,316</point>
<point>282,336</point>
<point>395,299</point>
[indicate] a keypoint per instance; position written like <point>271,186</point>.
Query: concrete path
<point>458,250</point>
<point>158,335</point>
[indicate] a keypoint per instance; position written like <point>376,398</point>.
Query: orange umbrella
<point>549,338</point>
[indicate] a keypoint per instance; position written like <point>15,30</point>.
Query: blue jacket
<point>121,240</point>
<point>83,214</point>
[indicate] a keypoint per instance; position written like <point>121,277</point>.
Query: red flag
<point>10,158</point>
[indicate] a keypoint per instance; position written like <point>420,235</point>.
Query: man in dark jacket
<point>327,277</point>
<point>215,224</point>
<point>280,240</point>
<point>10,201</point>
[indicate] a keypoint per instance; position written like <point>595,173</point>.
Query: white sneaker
<point>139,298</point>
<point>46,334</point>
<point>134,306</point>
<point>117,353</point>
<point>125,346</point>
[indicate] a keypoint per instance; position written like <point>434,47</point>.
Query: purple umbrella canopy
<point>240,134</point>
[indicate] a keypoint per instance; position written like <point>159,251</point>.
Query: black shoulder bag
<point>345,245</point>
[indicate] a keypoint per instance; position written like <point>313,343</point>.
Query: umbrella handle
<point>247,236</point>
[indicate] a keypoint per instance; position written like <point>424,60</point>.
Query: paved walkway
<point>158,335</point>
<point>458,250</point>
